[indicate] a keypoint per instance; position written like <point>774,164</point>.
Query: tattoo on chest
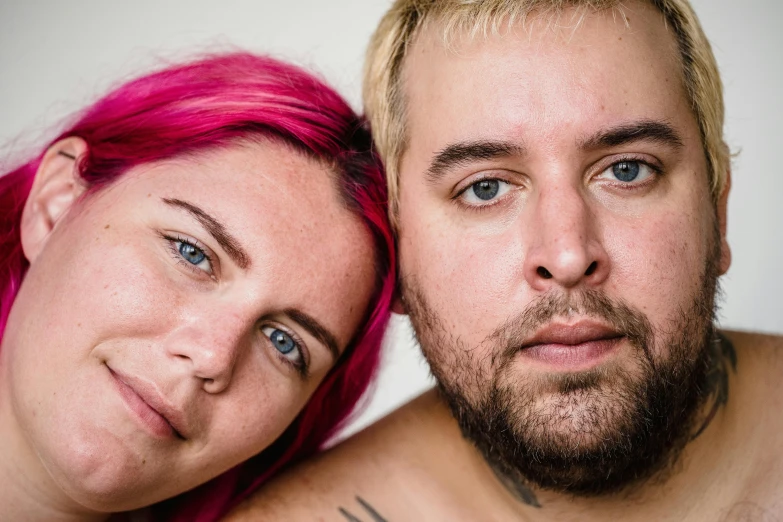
<point>368,512</point>
<point>724,360</point>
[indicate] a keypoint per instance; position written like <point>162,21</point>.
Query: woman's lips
<point>147,406</point>
<point>571,347</point>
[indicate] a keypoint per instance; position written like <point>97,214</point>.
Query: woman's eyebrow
<point>216,229</point>
<point>316,329</point>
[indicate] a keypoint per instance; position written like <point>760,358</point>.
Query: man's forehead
<point>551,66</point>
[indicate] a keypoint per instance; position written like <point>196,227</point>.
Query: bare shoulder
<point>758,360</point>
<point>392,469</point>
<point>761,341</point>
<point>758,398</point>
<point>763,352</point>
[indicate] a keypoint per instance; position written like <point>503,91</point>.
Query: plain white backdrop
<point>56,57</point>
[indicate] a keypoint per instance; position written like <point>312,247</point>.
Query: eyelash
<point>657,171</point>
<point>457,198</point>
<point>176,238</point>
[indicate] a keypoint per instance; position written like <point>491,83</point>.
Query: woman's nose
<point>209,345</point>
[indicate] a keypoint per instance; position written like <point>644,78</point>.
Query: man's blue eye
<point>484,192</point>
<point>191,253</point>
<point>626,170</point>
<point>486,189</point>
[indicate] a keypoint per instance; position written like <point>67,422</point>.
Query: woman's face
<point>174,323</point>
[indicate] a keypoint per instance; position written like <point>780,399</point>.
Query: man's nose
<point>566,249</point>
<point>209,345</point>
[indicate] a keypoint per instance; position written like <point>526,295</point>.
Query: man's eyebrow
<point>316,329</point>
<point>643,130</point>
<point>216,229</point>
<point>463,153</point>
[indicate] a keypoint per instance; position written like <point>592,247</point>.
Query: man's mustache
<point>511,336</point>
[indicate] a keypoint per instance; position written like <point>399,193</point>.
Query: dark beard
<point>603,431</point>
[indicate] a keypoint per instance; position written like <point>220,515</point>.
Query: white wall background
<point>56,57</point>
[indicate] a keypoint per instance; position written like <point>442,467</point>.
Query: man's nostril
<point>543,272</point>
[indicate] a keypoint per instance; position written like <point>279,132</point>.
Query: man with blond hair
<point>559,184</point>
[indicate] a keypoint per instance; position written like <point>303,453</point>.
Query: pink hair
<point>208,103</point>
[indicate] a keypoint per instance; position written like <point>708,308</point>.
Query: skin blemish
<point>106,227</point>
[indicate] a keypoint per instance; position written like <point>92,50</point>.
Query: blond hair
<point>383,91</point>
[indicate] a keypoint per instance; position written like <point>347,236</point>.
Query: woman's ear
<point>57,185</point>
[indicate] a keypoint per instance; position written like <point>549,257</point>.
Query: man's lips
<point>145,400</point>
<point>572,334</point>
<point>576,346</point>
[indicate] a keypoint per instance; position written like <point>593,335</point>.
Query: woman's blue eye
<point>191,253</point>
<point>186,252</point>
<point>484,191</point>
<point>282,341</point>
<point>285,344</point>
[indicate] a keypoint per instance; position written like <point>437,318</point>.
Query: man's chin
<point>587,434</point>
<point>574,423</point>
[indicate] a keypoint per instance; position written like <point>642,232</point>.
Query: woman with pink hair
<point>195,278</point>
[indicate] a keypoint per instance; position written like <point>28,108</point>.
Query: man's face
<point>559,245</point>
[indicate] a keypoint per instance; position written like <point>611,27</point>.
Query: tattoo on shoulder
<point>724,360</point>
<point>367,510</point>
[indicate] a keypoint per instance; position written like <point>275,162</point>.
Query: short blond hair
<point>383,91</point>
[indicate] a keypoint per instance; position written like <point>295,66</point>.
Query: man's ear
<point>57,185</point>
<point>722,204</point>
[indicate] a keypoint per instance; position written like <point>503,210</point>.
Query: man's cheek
<point>655,269</point>
<point>477,275</point>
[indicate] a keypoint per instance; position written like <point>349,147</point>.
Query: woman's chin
<point>103,475</point>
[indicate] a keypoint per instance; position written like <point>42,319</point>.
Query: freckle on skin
<point>106,227</point>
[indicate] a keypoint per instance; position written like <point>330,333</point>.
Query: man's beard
<point>600,431</point>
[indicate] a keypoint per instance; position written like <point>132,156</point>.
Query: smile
<point>153,413</point>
